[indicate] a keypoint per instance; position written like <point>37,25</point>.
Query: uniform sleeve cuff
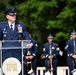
<point>71,54</point>
<point>34,54</point>
<point>54,55</point>
<point>46,56</point>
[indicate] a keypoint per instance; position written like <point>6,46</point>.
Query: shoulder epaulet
<point>54,43</point>
<point>2,22</point>
<point>46,43</point>
<point>21,23</point>
<point>69,40</point>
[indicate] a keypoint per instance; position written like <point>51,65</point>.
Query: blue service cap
<point>73,33</point>
<point>10,11</point>
<point>50,36</point>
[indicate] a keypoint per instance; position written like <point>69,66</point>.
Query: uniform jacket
<point>34,49</point>
<point>70,47</point>
<point>6,34</point>
<point>54,49</point>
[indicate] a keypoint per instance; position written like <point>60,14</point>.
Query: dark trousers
<point>54,64</point>
<point>27,67</point>
<point>71,65</point>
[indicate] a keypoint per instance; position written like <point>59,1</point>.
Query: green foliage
<point>42,17</point>
<point>60,37</point>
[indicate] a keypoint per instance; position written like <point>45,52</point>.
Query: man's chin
<point>13,20</point>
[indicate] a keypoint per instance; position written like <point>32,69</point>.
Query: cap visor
<point>12,14</point>
<point>49,37</point>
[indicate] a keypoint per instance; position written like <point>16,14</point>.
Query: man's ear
<point>7,16</point>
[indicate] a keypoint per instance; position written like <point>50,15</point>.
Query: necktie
<point>11,27</point>
<point>75,48</point>
<point>75,44</point>
<point>50,49</point>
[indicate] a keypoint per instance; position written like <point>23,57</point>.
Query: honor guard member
<point>31,54</point>
<point>71,51</point>
<point>50,51</point>
<point>12,30</point>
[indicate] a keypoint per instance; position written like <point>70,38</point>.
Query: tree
<point>45,16</point>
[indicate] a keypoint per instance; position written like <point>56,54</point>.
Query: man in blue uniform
<point>31,54</point>
<point>12,30</point>
<point>71,51</point>
<point>50,51</point>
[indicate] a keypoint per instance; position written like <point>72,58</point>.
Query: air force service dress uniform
<point>6,33</point>
<point>53,47</point>
<point>32,52</point>
<point>70,49</point>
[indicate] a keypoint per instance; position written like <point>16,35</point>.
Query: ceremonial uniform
<point>48,50</point>
<point>7,34</point>
<point>32,52</point>
<point>12,33</point>
<point>71,49</point>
